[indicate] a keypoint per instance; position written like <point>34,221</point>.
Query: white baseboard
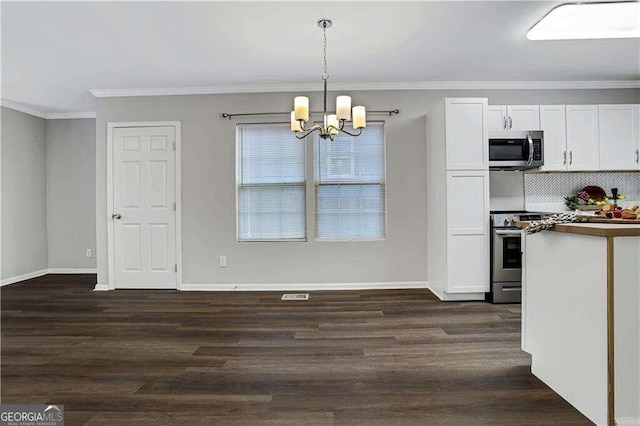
<point>628,421</point>
<point>101,287</point>
<point>23,277</point>
<point>455,297</point>
<point>42,272</point>
<point>73,271</point>
<point>305,286</point>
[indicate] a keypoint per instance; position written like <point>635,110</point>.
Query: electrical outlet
<point>222,261</point>
<point>87,253</point>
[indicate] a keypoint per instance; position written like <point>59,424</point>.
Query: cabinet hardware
<point>510,122</point>
<point>564,158</point>
<point>637,155</point>
<point>116,216</point>
<point>504,122</point>
<point>570,157</point>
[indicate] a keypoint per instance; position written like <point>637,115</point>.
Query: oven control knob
<point>507,220</point>
<point>514,219</point>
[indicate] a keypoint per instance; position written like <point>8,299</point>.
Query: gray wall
<point>71,213</point>
<point>208,191</point>
<point>24,193</point>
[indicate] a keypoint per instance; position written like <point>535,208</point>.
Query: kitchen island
<point>580,316</point>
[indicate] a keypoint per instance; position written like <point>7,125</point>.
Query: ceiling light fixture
<point>589,21</point>
<point>332,124</point>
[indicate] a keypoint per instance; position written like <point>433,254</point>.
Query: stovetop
<point>508,218</point>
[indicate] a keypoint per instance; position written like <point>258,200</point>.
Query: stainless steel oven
<point>516,150</point>
<point>506,255</point>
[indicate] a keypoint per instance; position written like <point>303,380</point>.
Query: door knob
<point>116,216</point>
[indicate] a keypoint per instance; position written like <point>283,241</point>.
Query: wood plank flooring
<point>393,357</point>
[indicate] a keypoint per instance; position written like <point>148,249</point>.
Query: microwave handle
<point>530,142</point>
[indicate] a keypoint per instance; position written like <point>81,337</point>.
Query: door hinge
<point>176,267</point>
<point>174,145</point>
<point>175,207</point>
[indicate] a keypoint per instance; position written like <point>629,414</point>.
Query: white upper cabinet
<point>582,137</point>
<point>619,138</point>
<point>466,134</point>
<point>523,117</point>
<point>496,118</point>
<point>553,124</point>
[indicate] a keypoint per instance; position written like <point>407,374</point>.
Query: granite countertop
<point>594,229</point>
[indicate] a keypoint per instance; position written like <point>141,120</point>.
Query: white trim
<point>628,421</point>
<point>70,115</point>
<point>23,277</point>
<point>72,271</point>
<point>16,106</point>
<point>306,286</point>
<point>111,126</point>
<point>449,297</point>
<point>420,85</point>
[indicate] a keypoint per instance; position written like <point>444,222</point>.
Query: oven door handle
<point>530,141</point>
<point>507,233</point>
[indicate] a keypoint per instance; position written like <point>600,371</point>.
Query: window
<point>270,179</point>
<point>350,186</point>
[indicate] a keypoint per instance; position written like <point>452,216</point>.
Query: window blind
<point>270,179</point>
<point>350,185</point>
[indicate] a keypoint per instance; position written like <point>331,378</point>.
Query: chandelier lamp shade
<point>332,124</point>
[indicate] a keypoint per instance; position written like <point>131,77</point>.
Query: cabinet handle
<point>637,155</point>
<point>564,158</point>
<point>504,122</point>
<point>570,157</point>
<point>510,122</point>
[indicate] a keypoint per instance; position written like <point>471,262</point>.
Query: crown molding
<point>70,115</point>
<point>17,106</point>
<point>317,87</point>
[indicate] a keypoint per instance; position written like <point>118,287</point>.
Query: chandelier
<point>332,124</point>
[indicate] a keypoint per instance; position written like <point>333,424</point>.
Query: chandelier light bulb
<point>295,124</point>
<point>301,108</point>
<point>359,117</point>
<point>343,107</point>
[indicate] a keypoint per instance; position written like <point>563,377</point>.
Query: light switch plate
<point>87,253</point>
<point>222,261</point>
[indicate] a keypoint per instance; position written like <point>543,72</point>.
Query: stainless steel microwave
<point>516,150</point>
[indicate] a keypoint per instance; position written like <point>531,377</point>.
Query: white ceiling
<point>54,53</point>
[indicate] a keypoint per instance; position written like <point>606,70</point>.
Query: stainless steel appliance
<point>506,255</point>
<point>516,150</point>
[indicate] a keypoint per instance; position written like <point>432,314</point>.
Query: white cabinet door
<point>523,117</point>
<point>618,137</point>
<point>468,231</point>
<point>496,118</point>
<point>553,124</point>
<point>466,134</point>
<point>582,137</point>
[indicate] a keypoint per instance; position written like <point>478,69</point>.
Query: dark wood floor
<point>358,357</point>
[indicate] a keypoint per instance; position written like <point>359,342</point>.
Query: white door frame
<point>111,126</point>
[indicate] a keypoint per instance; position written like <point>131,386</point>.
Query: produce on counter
<point>632,211</point>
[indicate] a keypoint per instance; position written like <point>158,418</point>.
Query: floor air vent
<point>292,296</point>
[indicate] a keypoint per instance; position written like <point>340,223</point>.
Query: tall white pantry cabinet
<point>458,199</point>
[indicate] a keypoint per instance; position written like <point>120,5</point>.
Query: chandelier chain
<point>325,74</point>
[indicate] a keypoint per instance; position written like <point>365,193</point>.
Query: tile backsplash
<point>553,187</point>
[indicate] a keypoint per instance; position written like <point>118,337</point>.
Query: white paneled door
<point>144,209</point>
